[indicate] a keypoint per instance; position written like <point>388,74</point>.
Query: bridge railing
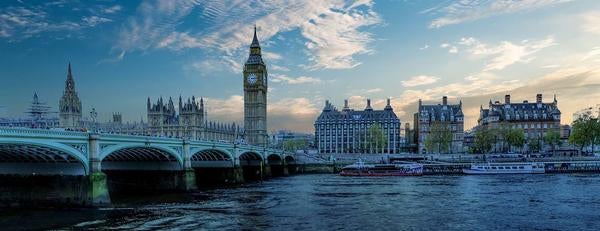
<point>12,131</point>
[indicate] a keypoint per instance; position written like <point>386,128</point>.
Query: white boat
<point>505,168</point>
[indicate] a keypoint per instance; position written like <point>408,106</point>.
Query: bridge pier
<point>97,192</point>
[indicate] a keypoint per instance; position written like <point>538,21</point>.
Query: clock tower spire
<point>255,96</point>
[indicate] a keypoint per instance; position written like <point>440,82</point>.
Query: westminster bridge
<point>82,168</point>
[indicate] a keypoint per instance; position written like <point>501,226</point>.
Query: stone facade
<point>189,121</point>
<point>449,115</point>
<point>347,131</point>
<point>255,96</point>
<point>534,118</point>
<point>70,105</point>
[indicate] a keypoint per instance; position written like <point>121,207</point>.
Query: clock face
<point>252,79</point>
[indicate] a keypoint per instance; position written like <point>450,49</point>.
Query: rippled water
<point>330,202</point>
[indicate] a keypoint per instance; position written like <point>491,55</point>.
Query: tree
<point>376,139</point>
<point>293,145</point>
<point>552,138</point>
<point>516,138</point>
<point>501,135</point>
<point>585,131</point>
<point>484,139</point>
<point>439,138</point>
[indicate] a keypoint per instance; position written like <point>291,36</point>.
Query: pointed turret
<point>255,40</point>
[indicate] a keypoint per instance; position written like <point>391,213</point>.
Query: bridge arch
<point>290,160</point>
<point>274,159</point>
<point>212,158</point>
<point>41,158</point>
<point>140,157</point>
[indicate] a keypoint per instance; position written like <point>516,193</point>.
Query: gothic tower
<point>69,105</point>
<point>255,96</point>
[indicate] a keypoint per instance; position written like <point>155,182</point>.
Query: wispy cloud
<point>506,53</point>
<point>22,22</point>
<point>278,78</point>
<point>331,28</point>
<point>112,9</point>
<point>456,12</point>
<point>419,80</point>
<point>591,22</point>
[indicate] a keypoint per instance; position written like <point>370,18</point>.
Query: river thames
<point>331,202</point>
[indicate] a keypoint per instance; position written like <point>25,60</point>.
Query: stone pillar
<point>266,170</point>
<point>188,175</point>
<point>97,192</point>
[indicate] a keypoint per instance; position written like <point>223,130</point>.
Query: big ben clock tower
<point>255,96</point>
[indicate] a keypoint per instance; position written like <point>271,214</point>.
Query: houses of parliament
<point>187,118</point>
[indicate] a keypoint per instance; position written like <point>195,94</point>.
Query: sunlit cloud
<point>419,80</point>
<point>456,12</point>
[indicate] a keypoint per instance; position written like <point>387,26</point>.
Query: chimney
<point>445,100</point>
<point>538,98</point>
<point>507,99</point>
<point>388,102</point>
<point>346,104</point>
<point>369,108</point>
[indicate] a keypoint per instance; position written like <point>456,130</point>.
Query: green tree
<point>439,138</point>
<point>293,145</point>
<point>376,139</point>
<point>501,135</point>
<point>516,138</point>
<point>484,139</point>
<point>585,131</point>
<point>552,138</point>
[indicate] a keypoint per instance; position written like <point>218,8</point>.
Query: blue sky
<point>125,51</point>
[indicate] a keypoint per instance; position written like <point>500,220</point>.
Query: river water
<point>331,202</point>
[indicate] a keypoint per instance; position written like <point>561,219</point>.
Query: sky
<point>122,52</point>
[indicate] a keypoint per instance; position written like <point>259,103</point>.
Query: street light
<point>94,115</point>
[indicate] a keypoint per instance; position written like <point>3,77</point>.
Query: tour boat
<point>361,169</point>
<point>505,168</point>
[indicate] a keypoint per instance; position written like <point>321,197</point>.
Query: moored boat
<point>394,169</point>
<point>505,168</point>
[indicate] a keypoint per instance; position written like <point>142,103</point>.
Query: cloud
<point>506,53</point>
<point>374,90</point>
<point>112,9</point>
<point>279,78</point>
<point>330,28</point>
<point>424,47</point>
<point>23,22</point>
<point>279,68</point>
<point>419,80</point>
<point>456,12</point>
<point>92,21</point>
<point>591,22</point>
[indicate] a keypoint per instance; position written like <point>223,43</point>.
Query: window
<point>493,167</point>
<point>521,167</point>
<point>514,167</point>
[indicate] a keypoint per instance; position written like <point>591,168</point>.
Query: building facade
<point>534,118</point>
<point>444,115</point>
<point>69,104</point>
<point>188,121</point>
<point>350,131</point>
<point>255,96</point>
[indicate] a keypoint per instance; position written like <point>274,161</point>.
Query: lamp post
<point>94,115</point>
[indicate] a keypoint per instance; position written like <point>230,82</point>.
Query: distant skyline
<point>125,51</point>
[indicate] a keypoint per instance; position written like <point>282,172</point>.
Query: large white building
<point>348,131</point>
